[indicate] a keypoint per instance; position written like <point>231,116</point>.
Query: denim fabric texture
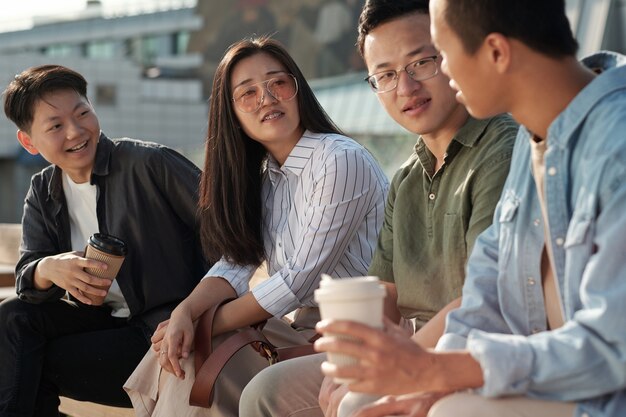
<point>502,321</point>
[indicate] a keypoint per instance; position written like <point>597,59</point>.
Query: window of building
<point>181,42</point>
<point>101,49</point>
<point>61,50</point>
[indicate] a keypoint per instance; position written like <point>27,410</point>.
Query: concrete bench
<point>75,408</point>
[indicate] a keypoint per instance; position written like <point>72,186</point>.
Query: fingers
<point>186,345</point>
<point>332,343</point>
<point>370,335</point>
<point>93,280</point>
<point>170,353</point>
<point>157,347</point>
<point>354,372</point>
<point>90,263</point>
<point>159,333</point>
<point>387,406</point>
<point>164,360</point>
<point>173,358</point>
<point>79,295</point>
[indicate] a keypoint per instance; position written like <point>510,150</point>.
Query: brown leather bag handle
<point>209,363</point>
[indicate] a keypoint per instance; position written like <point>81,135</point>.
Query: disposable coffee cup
<point>110,250</point>
<point>357,299</point>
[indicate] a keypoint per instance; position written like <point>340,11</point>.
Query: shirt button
<point>536,222</point>
<point>531,281</point>
<point>552,171</point>
<point>559,241</point>
<point>431,196</point>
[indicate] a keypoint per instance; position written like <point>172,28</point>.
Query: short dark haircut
<point>32,85</point>
<point>377,12</point>
<point>230,186</point>
<point>540,24</point>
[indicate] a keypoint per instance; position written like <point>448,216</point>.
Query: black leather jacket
<point>147,196</point>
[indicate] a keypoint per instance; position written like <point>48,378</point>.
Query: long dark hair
<point>230,188</point>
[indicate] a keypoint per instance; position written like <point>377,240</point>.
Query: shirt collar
<point>302,152</point>
<point>103,156</point>
<point>612,78</point>
<point>100,167</point>
<point>468,136</point>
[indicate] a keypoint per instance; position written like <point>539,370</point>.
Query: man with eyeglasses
<point>439,201</point>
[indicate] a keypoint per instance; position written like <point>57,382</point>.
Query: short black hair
<point>377,12</point>
<point>540,24</point>
<point>33,84</point>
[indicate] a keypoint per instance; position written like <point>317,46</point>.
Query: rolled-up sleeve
<point>238,276</point>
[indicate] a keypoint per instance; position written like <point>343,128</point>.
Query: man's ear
<point>26,142</point>
<point>498,49</point>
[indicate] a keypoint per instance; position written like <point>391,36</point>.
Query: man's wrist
<point>455,371</point>
<point>39,281</point>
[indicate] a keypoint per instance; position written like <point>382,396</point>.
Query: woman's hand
<point>173,340</point>
<point>158,335</point>
<point>66,270</point>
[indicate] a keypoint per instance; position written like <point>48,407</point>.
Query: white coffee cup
<point>357,299</point>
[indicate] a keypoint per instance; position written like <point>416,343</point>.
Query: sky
<point>18,14</point>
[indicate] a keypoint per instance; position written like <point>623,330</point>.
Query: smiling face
<point>65,131</point>
<point>276,123</point>
<point>424,107</point>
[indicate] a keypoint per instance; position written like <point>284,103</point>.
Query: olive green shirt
<point>432,219</point>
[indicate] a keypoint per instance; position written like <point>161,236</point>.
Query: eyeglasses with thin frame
<point>420,70</point>
<point>249,98</point>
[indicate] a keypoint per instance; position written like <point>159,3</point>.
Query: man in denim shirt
<point>541,322</point>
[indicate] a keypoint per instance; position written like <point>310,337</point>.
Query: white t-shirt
<point>81,205</point>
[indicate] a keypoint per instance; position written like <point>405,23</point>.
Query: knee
<point>467,405</point>
<point>259,394</point>
<point>15,313</point>
<point>21,319</point>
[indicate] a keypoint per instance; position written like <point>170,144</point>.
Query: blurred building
<point>142,81</point>
<point>150,68</point>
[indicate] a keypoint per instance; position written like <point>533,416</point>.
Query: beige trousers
<point>472,405</point>
<point>287,389</point>
<point>160,394</point>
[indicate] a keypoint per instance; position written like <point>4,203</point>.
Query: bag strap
<point>209,363</point>
<point>207,370</point>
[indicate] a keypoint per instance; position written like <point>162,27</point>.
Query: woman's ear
<point>25,140</point>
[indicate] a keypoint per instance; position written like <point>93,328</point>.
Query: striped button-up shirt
<point>322,211</point>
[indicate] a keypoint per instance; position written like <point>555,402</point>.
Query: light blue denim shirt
<point>502,321</point>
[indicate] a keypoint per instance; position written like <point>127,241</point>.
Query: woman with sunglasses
<point>281,185</point>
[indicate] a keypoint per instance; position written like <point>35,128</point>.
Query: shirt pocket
<point>579,241</point>
<point>506,222</point>
<point>580,228</point>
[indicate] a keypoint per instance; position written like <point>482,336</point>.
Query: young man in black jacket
<point>53,340</point>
